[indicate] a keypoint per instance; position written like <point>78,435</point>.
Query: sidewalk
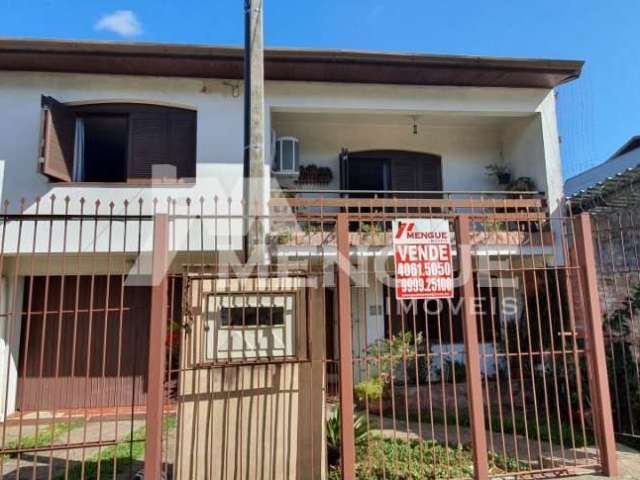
<point>628,465</point>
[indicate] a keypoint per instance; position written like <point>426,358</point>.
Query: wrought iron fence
<point>142,337</point>
<point>616,237</point>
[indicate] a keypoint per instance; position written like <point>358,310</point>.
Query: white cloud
<point>122,22</point>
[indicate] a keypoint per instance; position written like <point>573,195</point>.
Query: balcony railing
<point>304,217</point>
<point>378,204</point>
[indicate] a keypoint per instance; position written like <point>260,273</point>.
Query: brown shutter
<point>162,136</point>
<point>403,174</point>
<point>416,172</point>
<point>58,140</point>
<point>148,143</point>
<point>430,174</point>
<point>182,143</point>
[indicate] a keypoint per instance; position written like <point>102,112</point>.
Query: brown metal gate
<point>300,363</point>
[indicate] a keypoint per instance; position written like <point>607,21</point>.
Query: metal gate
<point>140,337</point>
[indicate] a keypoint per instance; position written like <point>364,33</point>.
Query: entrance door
<point>250,396</point>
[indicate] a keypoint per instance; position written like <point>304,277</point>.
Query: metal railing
<point>141,337</point>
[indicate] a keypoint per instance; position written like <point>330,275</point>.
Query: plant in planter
<point>521,184</point>
<point>314,175</point>
<point>500,172</point>
<point>503,176</point>
<point>373,230</point>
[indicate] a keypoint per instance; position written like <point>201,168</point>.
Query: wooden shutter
<point>58,140</point>
<point>182,143</point>
<point>416,172</point>
<point>162,136</point>
<point>430,173</point>
<point>403,174</point>
<point>148,143</point>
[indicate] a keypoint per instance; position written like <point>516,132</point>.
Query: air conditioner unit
<point>287,156</point>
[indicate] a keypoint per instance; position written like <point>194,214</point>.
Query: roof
<point>620,170</point>
<point>283,64</point>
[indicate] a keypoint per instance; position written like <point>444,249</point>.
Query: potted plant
<point>314,175</point>
<point>500,172</point>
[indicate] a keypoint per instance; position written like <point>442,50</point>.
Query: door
<point>83,343</point>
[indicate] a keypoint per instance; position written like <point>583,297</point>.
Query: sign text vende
<point>422,254</point>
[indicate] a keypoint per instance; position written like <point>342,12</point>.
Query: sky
<point>597,113</point>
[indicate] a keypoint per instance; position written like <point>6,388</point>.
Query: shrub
<point>360,432</point>
<point>371,389</point>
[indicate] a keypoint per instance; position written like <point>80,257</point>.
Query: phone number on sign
<point>427,285</point>
<point>421,269</point>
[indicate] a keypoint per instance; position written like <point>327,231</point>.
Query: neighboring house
<point>607,184</point>
<point>119,122</point>
<point>609,191</point>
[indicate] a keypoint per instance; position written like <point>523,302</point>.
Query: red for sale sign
<point>422,253</point>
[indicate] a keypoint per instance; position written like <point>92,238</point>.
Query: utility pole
<point>254,124</point>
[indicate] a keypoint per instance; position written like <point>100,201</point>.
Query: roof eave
<point>283,64</point>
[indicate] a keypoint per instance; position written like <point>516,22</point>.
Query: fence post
<point>156,361</point>
<point>597,360</point>
<point>347,444</point>
<point>470,330</point>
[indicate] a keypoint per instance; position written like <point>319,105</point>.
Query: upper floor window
<point>117,142</point>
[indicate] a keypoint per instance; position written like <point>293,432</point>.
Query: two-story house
<point>126,124</point>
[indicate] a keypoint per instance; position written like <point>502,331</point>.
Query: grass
<point>399,459</point>
<point>117,459</point>
<point>45,437</point>
<point>523,427</point>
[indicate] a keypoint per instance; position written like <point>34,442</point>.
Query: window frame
<point>208,329</point>
<point>278,156</point>
<point>115,107</point>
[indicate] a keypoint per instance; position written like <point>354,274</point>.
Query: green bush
<point>399,459</point>
<point>371,389</point>
<point>383,358</point>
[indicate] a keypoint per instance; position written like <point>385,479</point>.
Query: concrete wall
<point>531,145</point>
<point>465,150</point>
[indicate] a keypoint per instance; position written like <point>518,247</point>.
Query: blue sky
<point>597,113</point>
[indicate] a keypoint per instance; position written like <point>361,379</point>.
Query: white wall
<point>531,145</point>
<point>465,151</point>
<point>219,149</point>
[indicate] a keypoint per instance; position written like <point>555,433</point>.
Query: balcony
<point>503,222</point>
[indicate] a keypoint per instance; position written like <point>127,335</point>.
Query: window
<point>287,155</point>
<point>250,325</point>
<point>117,142</point>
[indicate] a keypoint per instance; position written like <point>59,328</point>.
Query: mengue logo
<point>405,228</point>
